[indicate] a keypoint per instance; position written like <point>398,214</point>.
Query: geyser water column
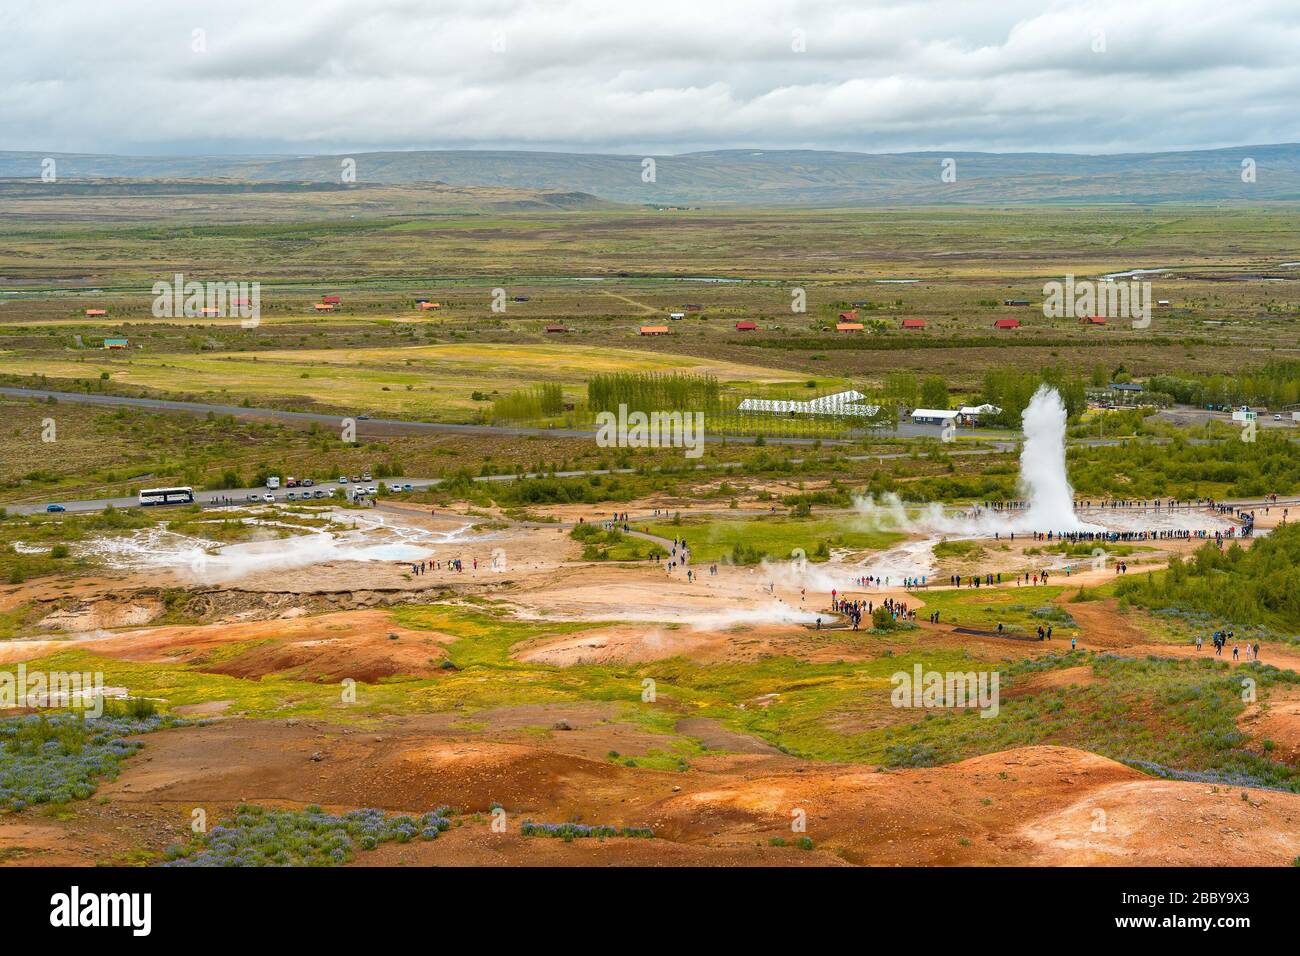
<point>1045,485</point>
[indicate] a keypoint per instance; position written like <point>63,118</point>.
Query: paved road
<point>246,496</point>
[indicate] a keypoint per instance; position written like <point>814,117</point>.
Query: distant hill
<point>753,177</point>
<point>123,198</point>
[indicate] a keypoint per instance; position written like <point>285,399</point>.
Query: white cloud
<point>646,75</point>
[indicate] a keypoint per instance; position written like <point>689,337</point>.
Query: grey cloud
<point>308,75</point>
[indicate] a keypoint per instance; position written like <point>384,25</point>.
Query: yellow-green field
<point>428,381</point>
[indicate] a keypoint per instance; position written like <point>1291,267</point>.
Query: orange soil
<point>1032,806</point>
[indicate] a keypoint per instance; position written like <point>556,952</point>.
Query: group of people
<point>855,608</point>
<point>679,557</point>
<point>456,564</point>
<point>872,581</point>
<point>1220,640</point>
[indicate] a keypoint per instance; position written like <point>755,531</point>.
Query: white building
<point>971,414</point>
<point>932,416</point>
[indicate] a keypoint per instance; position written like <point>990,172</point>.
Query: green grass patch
<point>769,537</point>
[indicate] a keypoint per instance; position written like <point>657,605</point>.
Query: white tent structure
<point>840,404</point>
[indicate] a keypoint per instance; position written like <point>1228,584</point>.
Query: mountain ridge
<point>753,176</point>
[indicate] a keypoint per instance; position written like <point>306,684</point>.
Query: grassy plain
<point>770,537</point>
<point>431,381</point>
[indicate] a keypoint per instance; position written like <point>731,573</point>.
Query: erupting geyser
<point>1046,487</point>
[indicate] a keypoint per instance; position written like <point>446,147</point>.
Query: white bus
<point>167,496</point>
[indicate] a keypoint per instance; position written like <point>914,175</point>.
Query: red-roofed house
<point>97,312</point>
<point>851,316</point>
<point>331,299</point>
<point>746,327</point>
<point>426,305</point>
<point>914,323</point>
<point>654,330</point>
<point>1094,320</point>
<point>1007,324</point>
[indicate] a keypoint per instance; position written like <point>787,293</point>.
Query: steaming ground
<point>318,605</point>
<point>353,536</point>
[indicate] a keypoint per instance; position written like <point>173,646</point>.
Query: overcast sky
<point>646,76</point>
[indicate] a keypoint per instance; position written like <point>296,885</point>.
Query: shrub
<point>60,757</point>
<point>574,831</point>
<point>258,836</point>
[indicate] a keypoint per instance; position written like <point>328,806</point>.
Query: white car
<point>394,489</point>
<point>269,499</point>
<point>1277,418</point>
<point>343,479</point>
<point>372,490</point>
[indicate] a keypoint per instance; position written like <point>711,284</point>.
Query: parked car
<point>291,496</point>
<point>254,498</point>
<point>343,479</point>
<point>268,498</point>
<point>307,482</point>
<point>365,476</point>
<point>372,490</point>
<point>1277,418</point>
<point>363,418</point>
<point>329,493</point>
<point>407,488</point>
<point>394,489</point>
<point>55,508</point>
<point>356,479</point>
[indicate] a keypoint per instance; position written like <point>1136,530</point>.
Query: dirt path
<point>1103,625</point>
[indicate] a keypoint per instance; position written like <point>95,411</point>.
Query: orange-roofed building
<point>848,327</point>
<point>654,330</point>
